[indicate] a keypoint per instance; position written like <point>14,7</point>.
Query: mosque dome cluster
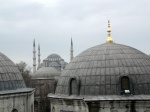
<point>45,77</point>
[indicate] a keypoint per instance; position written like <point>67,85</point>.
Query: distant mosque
<point>53,60</point>
<point>45,76</point>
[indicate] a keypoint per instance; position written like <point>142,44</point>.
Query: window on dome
<point>73,87</point>
<point>14,110</point>
<point>125,85</point>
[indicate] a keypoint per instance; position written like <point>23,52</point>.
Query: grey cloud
<point>85,20</point>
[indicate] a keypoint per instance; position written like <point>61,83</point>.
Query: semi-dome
<point>46,73</point>
<point>98,70</point>
<point>10,77</point>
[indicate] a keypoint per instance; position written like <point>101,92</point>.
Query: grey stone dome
<point>98,69</point>
<point>46,73</point>
<point>10,77</point>
<point>53,56</point>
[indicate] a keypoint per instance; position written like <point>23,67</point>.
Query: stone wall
<point>63,105</point>
<point>42,88</point>
<point>68,105</point>
<point>23,102</point>
<point>119,106</point>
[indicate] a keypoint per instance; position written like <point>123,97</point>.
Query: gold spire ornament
<point>109,39</point>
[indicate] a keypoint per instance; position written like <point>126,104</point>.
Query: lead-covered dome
<point>53,57</point>
<point>46,73</point>
<point>10,77</point>
<point>97,71</point>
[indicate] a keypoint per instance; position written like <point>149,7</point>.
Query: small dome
<point>46,73</point>
<point>99,68</point>
<point>10,77</point>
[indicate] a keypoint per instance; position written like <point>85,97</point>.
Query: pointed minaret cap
<point>109,39</point>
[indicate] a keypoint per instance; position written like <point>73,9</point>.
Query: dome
<point>98,70</point>
<point>53,56</point>
<point>46,73</point>
<point>10,77</point>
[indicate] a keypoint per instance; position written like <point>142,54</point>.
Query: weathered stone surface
<point>21,102</point>
<point>10,77</point>
<point>63,105</point>
<point>102,65</point>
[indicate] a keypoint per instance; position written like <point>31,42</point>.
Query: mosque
<point>45,77</point>
<point>110,77</point>
<point>14,95</point>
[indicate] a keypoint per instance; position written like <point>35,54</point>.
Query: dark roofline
<point>17,91</point>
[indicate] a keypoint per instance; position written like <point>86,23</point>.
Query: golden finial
<point>109,39</point>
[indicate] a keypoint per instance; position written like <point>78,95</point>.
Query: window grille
<point>125,84</point>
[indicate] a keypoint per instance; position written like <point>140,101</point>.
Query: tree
<point>25,72</point>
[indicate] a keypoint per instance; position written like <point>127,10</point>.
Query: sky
<point>52,23</point>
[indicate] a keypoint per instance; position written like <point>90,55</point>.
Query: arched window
<point>125,85</point>
<point>14,110</point>
<point>73,87</point>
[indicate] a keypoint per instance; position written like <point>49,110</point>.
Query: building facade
<point>44,82</point>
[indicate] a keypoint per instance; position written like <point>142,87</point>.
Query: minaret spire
<point>34,57</point>
<point>109,39</point>
<point>39,60</point>
<point>71,50</point>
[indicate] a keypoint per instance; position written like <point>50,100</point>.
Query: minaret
<point>109,39</point>
<point>34,57</point>
<point>39,60</point>
<point>71,50</point>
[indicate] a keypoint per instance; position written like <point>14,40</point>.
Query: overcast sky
<point>53,22</point>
